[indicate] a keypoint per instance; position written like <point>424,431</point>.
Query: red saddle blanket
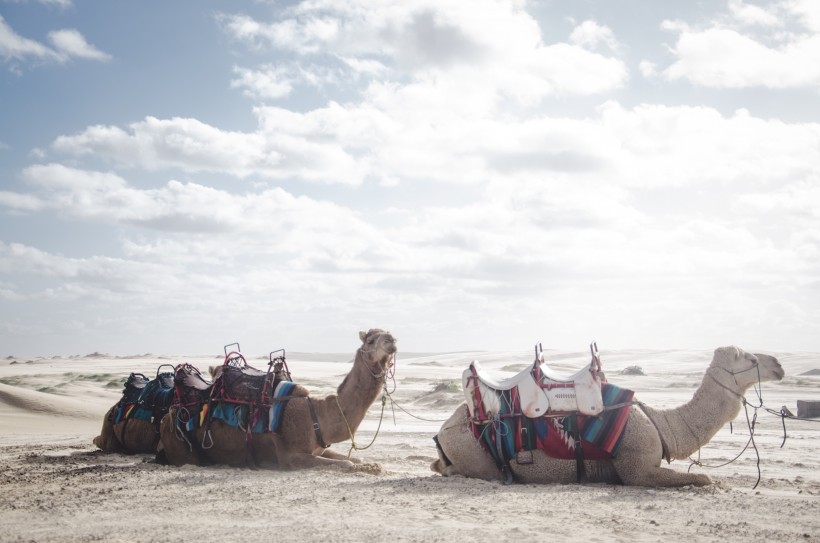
<point>599,436</point>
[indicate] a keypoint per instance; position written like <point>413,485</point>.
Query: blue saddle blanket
<point>263,419</point>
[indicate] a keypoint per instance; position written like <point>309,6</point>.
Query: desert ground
<point>56,486</point>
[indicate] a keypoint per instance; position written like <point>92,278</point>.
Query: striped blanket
<point>263,419</point>
<point>600,436</point>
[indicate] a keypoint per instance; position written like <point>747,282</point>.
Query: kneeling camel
<point>682,430</point>
<point>300,443</point>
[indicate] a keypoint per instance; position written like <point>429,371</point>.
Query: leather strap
<point>316,424</point>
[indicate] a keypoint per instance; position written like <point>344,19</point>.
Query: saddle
<point>190,387</point>
<point>538,389</point>
<point>240,383</point>
<point>133,387</point>
<point>157,395</point>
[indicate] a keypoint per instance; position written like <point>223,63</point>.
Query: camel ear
<point>362,335</point>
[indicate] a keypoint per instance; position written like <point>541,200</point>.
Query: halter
<point>388,369</point>
<point>387,366</point>
<point>750,423</point>
<point>754,366</point>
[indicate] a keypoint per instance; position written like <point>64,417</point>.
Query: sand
<point>56,486</point>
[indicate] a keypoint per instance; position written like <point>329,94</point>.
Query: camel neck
<point>355,394</point>
<point>688,427</point>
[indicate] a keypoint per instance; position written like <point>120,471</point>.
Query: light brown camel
<point>133,435</point>
<point>683,430</point>
<point>129,436</point>
<point>299,443</point>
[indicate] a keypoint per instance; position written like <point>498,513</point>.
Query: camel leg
<point>328,453</point>
<point>106,440</point>
<point>176,451</point>
<point>307,460</point>
<point>658,476</point>
<point>639,458</point>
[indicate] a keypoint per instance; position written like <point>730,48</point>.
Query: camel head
<point>378,349</point>
<point>746,368</point>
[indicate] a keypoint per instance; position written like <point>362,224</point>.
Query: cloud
<point>68,44</point>
<point>726,54</point>
<point>193,146</point>
<point>15,47</point>
<point>269,82</point>
<point>495,42</point>
<point>590,34</point>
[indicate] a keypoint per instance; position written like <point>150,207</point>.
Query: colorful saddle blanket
<point>260,420</point>
<point>600,436</point>
<point>144,399</point>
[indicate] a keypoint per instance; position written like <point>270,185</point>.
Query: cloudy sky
<point>176,176</point>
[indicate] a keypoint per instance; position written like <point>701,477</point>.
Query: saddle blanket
<point>263,420</point>
<point>152,402</point>
<point>600,436</point>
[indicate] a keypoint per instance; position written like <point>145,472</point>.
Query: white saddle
<point>540,390</point>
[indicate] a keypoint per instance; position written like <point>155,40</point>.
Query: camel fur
<point>296,445</point>
<point>683,430</point>
<point>128,436</point>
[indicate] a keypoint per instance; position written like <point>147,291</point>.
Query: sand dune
<point>50,409</point>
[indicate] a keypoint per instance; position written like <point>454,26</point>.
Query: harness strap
<point>316,424</point>
<point>579,453</point>
<point>665,455</point>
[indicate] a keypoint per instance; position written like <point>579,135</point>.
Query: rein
<point>388,371</point>
<point>750,423</point>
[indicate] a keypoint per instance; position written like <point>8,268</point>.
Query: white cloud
<point>70,43</point>
<point>648,69</point>
<point>590,34</point>
<point>495,42</point>
<point>193,146</point>
<point>14,46</point>
<point>773,54</point>
<point>751,14</point>
<point>270,82</point>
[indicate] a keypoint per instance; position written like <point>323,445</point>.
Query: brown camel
<point>299,443</point>
<point>129,436</point>
<point>133,435</point>
<point>683,430</point>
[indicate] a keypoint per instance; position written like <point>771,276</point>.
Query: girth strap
<point>316,424</point>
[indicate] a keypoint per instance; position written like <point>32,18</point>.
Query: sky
<point>483,175</point>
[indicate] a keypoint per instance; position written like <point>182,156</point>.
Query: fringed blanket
<point>600,436</point>
<point>262,419</point>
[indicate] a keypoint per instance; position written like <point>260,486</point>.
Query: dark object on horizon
<point>808,409</point>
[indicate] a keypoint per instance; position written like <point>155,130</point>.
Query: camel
<point>300,443</point>
<point>129,436</point>
<point>132,435</point>
<point>650,434</point>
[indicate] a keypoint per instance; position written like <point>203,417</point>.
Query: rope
<point>353,445</point>
<point>394,403</point>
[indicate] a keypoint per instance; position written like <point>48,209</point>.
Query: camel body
<point>683,430</point>
<point>128,436</point>
<point>131,434</point>
<point>297,444</point>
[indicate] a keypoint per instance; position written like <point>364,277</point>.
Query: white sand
<point>54,485</point>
